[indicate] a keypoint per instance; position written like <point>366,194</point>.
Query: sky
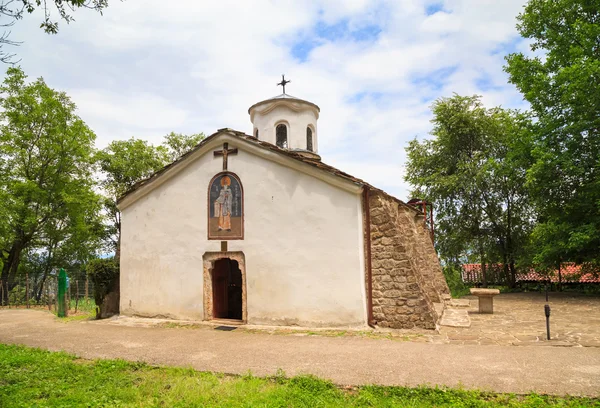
<point>147,67</point>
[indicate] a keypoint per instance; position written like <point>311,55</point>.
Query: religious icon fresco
<point>225,207</point>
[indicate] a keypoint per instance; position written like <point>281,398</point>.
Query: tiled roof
<point>569,272</point>
<point>265,145</point>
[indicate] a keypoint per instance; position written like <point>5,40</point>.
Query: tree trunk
<point>559,278</point>
<point>513,274</point>
<point>9,269</point>
<point>506,272</point>
<point>509,244</point>
<point>47,268</point>
<point>110,303</point>
<point>484,280</point>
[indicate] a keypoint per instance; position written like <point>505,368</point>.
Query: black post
<point>547,312</point>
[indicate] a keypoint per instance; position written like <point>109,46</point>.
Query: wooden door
<point>220,283</point>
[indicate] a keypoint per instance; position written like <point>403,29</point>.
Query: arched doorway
<point>227,289</point>
<point>225,286</point>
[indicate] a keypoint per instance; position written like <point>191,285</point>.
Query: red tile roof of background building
<point>570,272</point>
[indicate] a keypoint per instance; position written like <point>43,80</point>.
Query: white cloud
<point>147,67</point>
<point>122,116</point>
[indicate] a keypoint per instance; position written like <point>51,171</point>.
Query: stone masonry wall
<point>407,277</point>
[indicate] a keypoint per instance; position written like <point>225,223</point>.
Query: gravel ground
<point>346,360</point>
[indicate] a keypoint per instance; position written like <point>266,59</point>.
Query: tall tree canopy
<point>177,144</point>
<point>125,162</point>
<point>13,10</point>
<point>473,171</point>
<point>563,90</point>
<point>46,163</point>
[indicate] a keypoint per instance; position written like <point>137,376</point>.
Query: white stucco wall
<point>296,121</point>
<point>303,246</point>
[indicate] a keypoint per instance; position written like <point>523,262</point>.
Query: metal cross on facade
<point>283,82</point>
<point>225,152</point>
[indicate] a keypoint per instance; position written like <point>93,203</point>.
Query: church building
<point>257,229</point>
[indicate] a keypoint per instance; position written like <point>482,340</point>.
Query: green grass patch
<point>83,305</point>
<point>77,317</point>
<point>86,310</point>
<point>33,377</point>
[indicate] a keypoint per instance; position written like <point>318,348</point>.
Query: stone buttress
<point>407,279</point>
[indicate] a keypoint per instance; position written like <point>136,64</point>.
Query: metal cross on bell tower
<point>283,82</point>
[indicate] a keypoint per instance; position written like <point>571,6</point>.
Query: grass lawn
<point>32,377</point>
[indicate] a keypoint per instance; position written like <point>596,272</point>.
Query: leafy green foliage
<point>177,144</point>
<point>104,274</point>
<point>32,377</point>
<point>455,283</point>
<point>473,170</point>
<point>562,88</point>
<point>126,162</point>
<point>46,161</point>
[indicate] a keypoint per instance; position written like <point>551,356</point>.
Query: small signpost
<point>62,288</point>
<point>547,312</point>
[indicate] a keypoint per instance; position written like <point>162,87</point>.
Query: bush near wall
<point>104,274</point>
<point>457,287</point>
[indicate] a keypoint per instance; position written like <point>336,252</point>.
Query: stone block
<point>403,310</point>
<point>486,304</point>
<point>388,264</point>
<point>389,311</point>
<point>375,234</point>
<point>390,232</point>
<point>392,293</point>
<point>486,298</point>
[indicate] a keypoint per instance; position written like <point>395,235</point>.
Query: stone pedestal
<point>486,299</point>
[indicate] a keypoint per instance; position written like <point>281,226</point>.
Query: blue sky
<point>148,67</point>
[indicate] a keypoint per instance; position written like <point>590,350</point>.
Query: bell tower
<point>288,122</point>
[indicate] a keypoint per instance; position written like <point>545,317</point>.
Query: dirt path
<point>344,360</point>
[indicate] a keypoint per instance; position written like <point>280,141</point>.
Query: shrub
<point>455,284</point>
<point>104,274</point>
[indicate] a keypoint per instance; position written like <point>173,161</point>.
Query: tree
<point>178,144</point>
<point>104,274</point>
<point>13,10</point>
<point>473,171</point>
<point>562,88</point>
<point>71,238</point>
<point>126,162</point>
<point>46,163</point>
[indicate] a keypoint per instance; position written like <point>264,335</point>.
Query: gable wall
<point>407,277</point>
<point>303,246</point>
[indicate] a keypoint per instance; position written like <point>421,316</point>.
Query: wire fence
<point>28,292</point>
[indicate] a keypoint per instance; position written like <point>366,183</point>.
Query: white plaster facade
<point>303,244</point>
<point>296,114</point>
